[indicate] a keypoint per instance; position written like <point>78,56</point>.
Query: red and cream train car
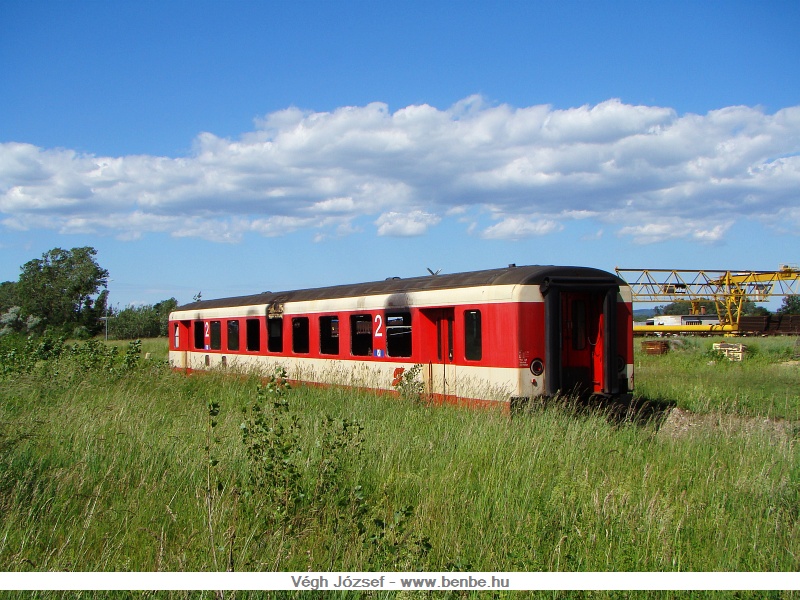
<point>500,335</point>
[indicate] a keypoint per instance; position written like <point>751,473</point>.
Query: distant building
<point>683,320</point>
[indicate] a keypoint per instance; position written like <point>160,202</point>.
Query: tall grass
<point>125,471</point>
<point>765,384</point>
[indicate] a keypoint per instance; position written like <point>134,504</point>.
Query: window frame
<point>275,342</point>
<point>301,335</point>
<point>199,334</point>
<point>357,340</point>
<point>392,347</point>
<point>232,329</point>
<point>215,335</point>
<point>473,334</point>
<point>579,324</point>
<point>329,335</point>
<point>252,335</point>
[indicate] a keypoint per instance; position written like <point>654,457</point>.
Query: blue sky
<point>237,147</point>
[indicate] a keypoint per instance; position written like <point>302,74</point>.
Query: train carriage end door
<point>580,337</point>
<point>582,342</point>
<point>440,375</point>
<point>181,342</point>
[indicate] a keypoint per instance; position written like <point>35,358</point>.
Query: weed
<point>133,355</point>
<point>214,485</point>
<point>339,441</point>
<point>393,544</point>
<point>270,434</point>
<point>408,384</point>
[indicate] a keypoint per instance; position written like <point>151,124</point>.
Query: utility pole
<point>106,317</point>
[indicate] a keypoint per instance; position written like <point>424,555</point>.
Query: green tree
<point>8,295</point>
<point>60,287</point>
<point>684,307</point>
<point>751,309</point>
<point>790,306</point>
<point>134,322</point>
<point>146,321</point>
<point>163,309</point>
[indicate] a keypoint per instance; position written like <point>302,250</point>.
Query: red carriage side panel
<point>578,338</point>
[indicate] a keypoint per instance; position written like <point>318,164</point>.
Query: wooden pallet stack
<point>655,347</point>
<point>734,352</point>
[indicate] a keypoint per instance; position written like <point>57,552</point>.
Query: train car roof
<point>511,275</point>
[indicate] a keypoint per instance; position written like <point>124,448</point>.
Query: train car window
<point>329,335</point>
<point>233,335</point>
<point>216,335</point>
<point>199,335</point>
<point>275,335</point>
<point>253,333</point>
<point>578,325</point>
<point>176,341</point>
<point>361,335</point>
<point>300,339</point>
<point>398,334</point>
<point>473,337</point>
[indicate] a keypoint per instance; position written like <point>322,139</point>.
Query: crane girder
<point>674,285</point>
<point>728,289</point>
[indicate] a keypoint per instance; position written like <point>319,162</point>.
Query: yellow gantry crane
<point>729,290</point>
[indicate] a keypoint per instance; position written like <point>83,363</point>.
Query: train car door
<point>582,342</point>
<point>580,336</point>
<point>180,342</point>
<point>440,376</point>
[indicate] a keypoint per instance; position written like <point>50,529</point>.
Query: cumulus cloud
<point>405,224</point>
<point>520,227</point>
<point>506,173</point>
<point>676,228</point>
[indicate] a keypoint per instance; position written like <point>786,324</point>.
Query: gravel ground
<point>679,423</point>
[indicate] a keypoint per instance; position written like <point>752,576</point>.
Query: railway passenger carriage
<point>500,335</point>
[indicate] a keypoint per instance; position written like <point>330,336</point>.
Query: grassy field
<point>692,376</point>
<point>124,465</point>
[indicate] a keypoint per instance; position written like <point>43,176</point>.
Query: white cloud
<point>405,224</point>
<point>597,235</point>
<point>530,169</point>
<point>676,228</point>
<point>520,227</point>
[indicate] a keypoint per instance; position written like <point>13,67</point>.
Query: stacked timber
<point>655,347</point>
<point>734,352</point>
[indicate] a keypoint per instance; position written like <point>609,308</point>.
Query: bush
<point>81,333</point>
<point>49,354</point>
<point>146,321</point>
